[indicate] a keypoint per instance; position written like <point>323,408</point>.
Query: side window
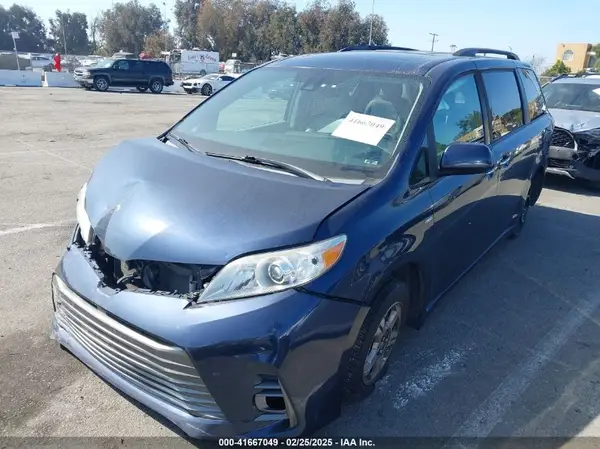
<point>138,66</point>
<point>121,65</point>
<point>505,102</point>
<point>458,117</point>
<point>533,93</point>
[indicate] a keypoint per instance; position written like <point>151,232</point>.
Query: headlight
<point>265,273</point>
<point>85,227</point>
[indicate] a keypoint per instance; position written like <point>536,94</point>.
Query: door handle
<point>505,159</point>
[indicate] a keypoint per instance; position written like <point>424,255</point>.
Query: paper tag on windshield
<point>363,128</point>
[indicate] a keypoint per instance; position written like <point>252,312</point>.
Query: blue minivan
<point>249,270</point>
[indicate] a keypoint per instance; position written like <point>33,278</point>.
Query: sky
<point>528,27</point>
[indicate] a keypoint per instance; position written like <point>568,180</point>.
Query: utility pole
<point>434,39</point>
<point>452,48</point>
<point>166,28</point>
<point>15,35</point>
<point>371,27</point>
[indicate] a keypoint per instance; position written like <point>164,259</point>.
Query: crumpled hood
<point>150,201</point>
<point>575,121</point>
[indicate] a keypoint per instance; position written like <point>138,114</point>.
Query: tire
<point>357,381</point>
<point>87,87</point>
<point>156,86</point>
<point>206,90</point>
<point>142,88</point>
<point>518,228</point>
<point>189,92</point>
<point>101,83</point>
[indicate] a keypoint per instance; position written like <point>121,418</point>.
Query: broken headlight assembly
<point>85,226</point>
<point>261,274</point>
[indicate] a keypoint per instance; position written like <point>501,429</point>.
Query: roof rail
<point>486,51</point>
<point>376,47</point>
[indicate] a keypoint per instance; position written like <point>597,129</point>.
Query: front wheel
<point>101,83</point>
<point>369,358</point>
<point>206,90</point>
<point>522,219</point>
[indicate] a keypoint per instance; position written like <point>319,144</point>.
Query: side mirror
<point>466,159</point>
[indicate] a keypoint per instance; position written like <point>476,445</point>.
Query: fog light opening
<point>275,403</point>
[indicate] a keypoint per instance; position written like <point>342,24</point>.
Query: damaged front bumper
<point>575,155</point>
<point>264,366</point>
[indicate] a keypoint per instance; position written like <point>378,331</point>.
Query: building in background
<point>576,56</point>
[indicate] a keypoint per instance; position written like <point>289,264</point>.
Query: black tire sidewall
<point>156,91</point>
<point>206,90</point>
<point>354,387</point>
<point>96,85</point>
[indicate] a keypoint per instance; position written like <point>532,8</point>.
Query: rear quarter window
<point>504,100</point>
<point>533,93</point>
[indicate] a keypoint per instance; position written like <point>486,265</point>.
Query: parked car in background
<point>41,62</point>
<point>206,85</point>
<point>574,102</point>
<point>252,267</point>
<point>141,74</point>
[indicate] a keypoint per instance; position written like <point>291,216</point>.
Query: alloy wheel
<point>383,342</point>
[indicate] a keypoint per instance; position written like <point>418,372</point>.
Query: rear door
<point>462,203</point>
<point>513,143</point>
<point>138,73</point>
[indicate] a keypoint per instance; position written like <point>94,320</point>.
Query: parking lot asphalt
<point>512,350</point>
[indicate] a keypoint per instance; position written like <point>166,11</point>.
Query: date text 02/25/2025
<point>296,442</point>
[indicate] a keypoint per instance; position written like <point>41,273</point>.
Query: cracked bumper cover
<point>293,338</point>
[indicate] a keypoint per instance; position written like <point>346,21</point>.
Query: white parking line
<point>31,227</point>
<point>42,150</point>
<point>426,379</point>
<point>490,413</point>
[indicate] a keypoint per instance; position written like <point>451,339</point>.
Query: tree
<point>94,35</point>
<point>342,26</point>
<point>283,31</point>
<point>379,35</point>
<point>126,25</point>
<point>537,63</point>
<point>310,24</point>
<point>559,68</point>
<point>155,43</point>
<point>71,27</point>
<point>596,49</point>
<point>32,33</point>
<point>186,16</point>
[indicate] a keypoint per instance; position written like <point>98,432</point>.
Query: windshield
<point>106,63</point>
<point>335,123</point>
<point>575,96</point>
<point>210,77</point>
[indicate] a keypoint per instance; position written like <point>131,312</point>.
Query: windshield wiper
<point>284,166</point>
<point>182,141</point>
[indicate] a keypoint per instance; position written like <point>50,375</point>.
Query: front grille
<point>163,371</point>
<point>558,163</point>
<point>562,138</point>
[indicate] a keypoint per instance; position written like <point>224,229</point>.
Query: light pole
<point>371,26</point>
<point>433,39</point>
<point>166,28</point>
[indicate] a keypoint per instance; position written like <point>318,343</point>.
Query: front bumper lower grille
<point>562,138</point>
<point>559,163</point>
<point>163,371</point>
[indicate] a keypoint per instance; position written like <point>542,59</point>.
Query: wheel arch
<point>414,276</point>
